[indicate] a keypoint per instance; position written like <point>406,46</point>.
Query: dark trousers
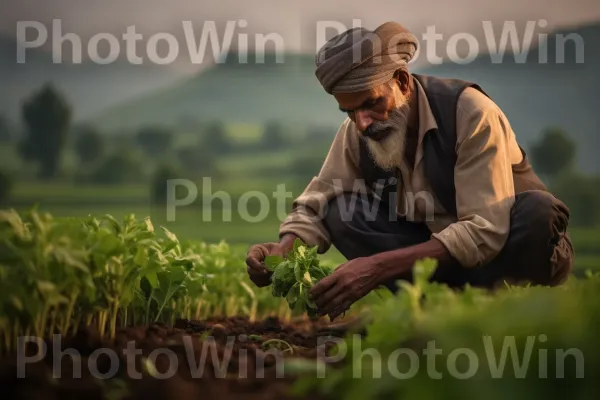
<point>538,249</point>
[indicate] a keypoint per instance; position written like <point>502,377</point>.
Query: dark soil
<point>219,358</point>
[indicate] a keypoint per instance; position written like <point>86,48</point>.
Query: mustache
<point>374,130</point>
<point>379,128</point>
<point>398,118</point>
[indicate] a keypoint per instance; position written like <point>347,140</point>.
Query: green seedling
<point>294,276</point>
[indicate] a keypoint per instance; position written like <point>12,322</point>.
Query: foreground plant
<point>57,275</point>
<point>294,276</point>
<point>434,342</point>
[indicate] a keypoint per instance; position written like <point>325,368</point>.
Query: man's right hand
<point>255,260</point>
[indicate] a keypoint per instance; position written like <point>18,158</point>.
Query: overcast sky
<point>294,21</point>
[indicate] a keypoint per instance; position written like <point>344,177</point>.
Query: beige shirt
<point>486,149</point>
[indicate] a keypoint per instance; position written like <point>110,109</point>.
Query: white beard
<point>389,152</point>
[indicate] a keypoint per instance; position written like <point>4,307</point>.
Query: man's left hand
<point>349,282</point>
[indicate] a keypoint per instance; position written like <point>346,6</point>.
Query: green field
<point>197,223</point>
<point>190,224</point>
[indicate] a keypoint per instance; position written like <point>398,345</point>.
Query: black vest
<point>439,148</point>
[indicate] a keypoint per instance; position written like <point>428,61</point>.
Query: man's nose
<point>363,120</point>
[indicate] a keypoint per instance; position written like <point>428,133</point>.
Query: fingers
<point>255,259</point>
<point>260,280</point>
<point>258,273</point>
<point>336,305</point>
<point>326,298</point>
<point>253,272</point>
<point>323,285</point>
<point>255,266</point>
<point>273,249</point>
<point>340,310</point>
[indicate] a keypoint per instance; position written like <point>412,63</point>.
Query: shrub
<point>307,166</point>
<point>197,160</point>
<point>553,153</point>
<point>159,186</point>
<point>89,145</point>
<point>118,168</point>
<point>581,194</point>
<point>155,140</point>
<point>6,185</point>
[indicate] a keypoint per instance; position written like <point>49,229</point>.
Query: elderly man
<point>422,167</point>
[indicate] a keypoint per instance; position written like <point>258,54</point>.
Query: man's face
<point>381,115</point>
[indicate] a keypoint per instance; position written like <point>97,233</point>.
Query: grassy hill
<point>236,93</point>
<point>89,87</point>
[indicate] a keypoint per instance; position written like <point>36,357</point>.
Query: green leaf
<point>16,302</point>
<point>67,258</point>
<point>141,257</point>
<point>149,225</point>
<point>114,223</point>
<point>423,270</point>
<point>297,244</point>
<point>149,243</point>
<point>310,303</point>
<point>271,262</point>
<point>248,290</point>
<point>293,277</point>
<point>299,271</point>
<point>107,242</point>
<point>186,263</point>
<point>152,279</point>
<point>293,294</point>
<point>170,235</point>
<point>306,279</point>
<point>45,286</point>
<point>140,235</point>
<point>14,220</point>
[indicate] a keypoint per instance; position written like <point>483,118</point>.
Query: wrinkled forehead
<point>351,101</point>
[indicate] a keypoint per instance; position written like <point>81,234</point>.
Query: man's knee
<point>540,222</point>
<point>541,213</point>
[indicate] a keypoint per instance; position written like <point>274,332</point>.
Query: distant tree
<point>189,123</point>
<point>197,160</point>
<point>159,185</point>
<point>306,167</point>
<point>6,133</point>
<point>6,185</point>
<point>47,117</point>
<point>582,195</point>
<point>216,139</point>
<point>155,140</point>
<point>118,168</point>
<point>553,153</point>
<point>273,137</point>
<point>320,133</point>
<point>89,145</point>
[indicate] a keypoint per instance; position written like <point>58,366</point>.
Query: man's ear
<point>403,78</point>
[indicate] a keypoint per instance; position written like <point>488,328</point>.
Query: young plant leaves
<point>293,277</point>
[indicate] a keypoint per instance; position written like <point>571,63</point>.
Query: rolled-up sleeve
<point>483,181</point>
<point>339,173</point>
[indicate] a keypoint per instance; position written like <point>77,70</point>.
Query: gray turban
<point>360,59</point>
